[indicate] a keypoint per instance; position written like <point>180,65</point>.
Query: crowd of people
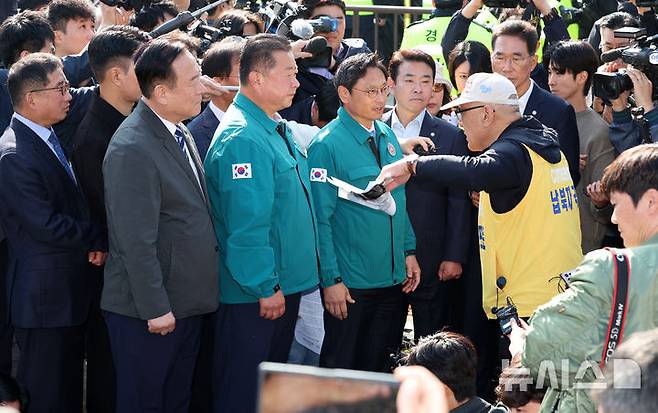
<point>174,211</point>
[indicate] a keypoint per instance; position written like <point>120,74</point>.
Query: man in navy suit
<point>50,237</point>
<point>514,45</point>
<point>222,63</point>
<point>440,216</point>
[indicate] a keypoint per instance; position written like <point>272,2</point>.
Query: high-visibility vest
<point>533,243</point>
<point>363,3</point>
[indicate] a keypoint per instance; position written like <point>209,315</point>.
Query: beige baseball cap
<point>486,88</point>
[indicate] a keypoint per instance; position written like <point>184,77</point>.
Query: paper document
<point>384,203</point>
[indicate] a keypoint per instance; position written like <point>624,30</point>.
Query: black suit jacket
<point>440,216</point>
<point>49,234</point>
<point>557,114</point>
<point>203,129</point>
<point>87,152</point>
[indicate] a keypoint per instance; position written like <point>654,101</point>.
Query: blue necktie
<point>180,138</point>
<point>60,155</point>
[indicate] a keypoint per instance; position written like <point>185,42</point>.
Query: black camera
<point>420,151</point>
<point>505,4</point>
<point>642,55</point>
<point>125,4</point>
<point>505,315</point>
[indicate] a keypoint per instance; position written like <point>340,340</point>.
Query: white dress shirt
<point>523,100</point>
<point>219,114</point>
<point>411,130</point>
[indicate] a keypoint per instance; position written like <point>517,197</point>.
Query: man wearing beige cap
<point>528,221</point>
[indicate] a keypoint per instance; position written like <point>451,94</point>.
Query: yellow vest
<point>533,243</point>
<point>363,3</point>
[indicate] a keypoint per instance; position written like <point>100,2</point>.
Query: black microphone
<point>183,19</point>
<point>316,45</point>
<point>612,55</point>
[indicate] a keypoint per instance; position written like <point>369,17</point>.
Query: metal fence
<point>401,16</point>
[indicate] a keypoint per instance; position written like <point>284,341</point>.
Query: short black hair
<point>218,60</point>
<point>11,392</point>
<point>27,30</point>
<point>452,358</point>
<point>31,4</point>
<point>233,21</point>
<point>355,67</point>
<point>61,11</point>
<point>192,43</point>
<point>258,53</point>
<point>153,64</point>
<point>617,20</point>
<point>572,56</point>
<point>112,44</point>
<point>517,28</point>
<point>624,391</point>
<point>409,55</point>
<point>327,101</point>
<point>30,73</point>
<point>634,172</point>
<point>516,389</point>
<point>152,13</point>
<point>311,5</point>
<point>475,53</point>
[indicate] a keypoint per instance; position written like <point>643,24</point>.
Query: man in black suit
<point>440,216</point>
<point>51,238</point>
<point>514,45</point>
<point>161,274</point>
<point>222,63</point>
<point>110,55</point>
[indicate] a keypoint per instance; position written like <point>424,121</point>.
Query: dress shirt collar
<point>171,127</point>
<point>415,124</point>
<point>219,114</point>
<point>41,131</point>
<point>523,100</point>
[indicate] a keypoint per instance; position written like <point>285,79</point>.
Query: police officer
<point>259,189</point>
<point>367,257</point>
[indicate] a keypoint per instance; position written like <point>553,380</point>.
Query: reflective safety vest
<point>532,244</point>
<point>362,3</point>
<point>426,35</point>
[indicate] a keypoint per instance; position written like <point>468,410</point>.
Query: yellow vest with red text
<point>533,243</point>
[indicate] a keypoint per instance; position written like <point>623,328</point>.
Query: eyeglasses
<point>459,111</point>
<point>63,88</point>
<point>374,92</point>
<point>516,60</point>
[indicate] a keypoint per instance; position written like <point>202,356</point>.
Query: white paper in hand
<point>384,203</point>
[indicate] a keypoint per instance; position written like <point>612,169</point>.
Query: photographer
<point>577,325</point>
<point>625,133</point>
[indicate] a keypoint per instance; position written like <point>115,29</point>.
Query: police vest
<point>532,244</point>
<point>427,35</point>
<point>363,3</point>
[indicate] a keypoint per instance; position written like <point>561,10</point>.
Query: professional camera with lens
<point>125,4</point>
<point>642,55</point>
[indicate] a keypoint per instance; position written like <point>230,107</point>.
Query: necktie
<point>373,147</point>
<point>180,138</point>
<point>60,155</point>
<point>281,129</point>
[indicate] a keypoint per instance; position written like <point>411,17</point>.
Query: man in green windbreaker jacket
<point>367,257</point>
<point>565,339</point>
<point>260,194</point>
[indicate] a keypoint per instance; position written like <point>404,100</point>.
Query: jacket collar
<point>105,112</point>
<point>255,112</point>
<point>355,128</point>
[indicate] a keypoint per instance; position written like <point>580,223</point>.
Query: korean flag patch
<point>241,171</point>
<point>318,175</point>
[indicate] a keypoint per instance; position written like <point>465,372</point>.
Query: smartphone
<point>291,388</point>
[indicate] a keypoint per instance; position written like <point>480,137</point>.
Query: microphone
<point>302,29</point>
<point>316,45</point>
<point>612,55</point>
<point>183,19</point>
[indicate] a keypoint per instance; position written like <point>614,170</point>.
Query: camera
<point>505,315</point>
<point>642,55</point>
<point>125,4</point>
<point>504,4</point>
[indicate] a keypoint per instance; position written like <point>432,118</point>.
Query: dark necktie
<point>60,155</point>
<point>281,129</point>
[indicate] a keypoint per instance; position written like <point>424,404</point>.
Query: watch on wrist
<point>408,253</point>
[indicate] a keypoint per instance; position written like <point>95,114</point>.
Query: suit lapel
<point>534,101</point>
<point>194,153</point>
<point>43,150</point>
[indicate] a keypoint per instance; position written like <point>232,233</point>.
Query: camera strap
<point>619,309</point>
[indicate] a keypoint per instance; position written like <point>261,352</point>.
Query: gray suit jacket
<point>163,251</point>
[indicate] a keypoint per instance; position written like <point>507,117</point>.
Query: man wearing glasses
<point>528,222</point>
<point>514,45</point>
<point>50,236</point>
<point>367,257</point>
